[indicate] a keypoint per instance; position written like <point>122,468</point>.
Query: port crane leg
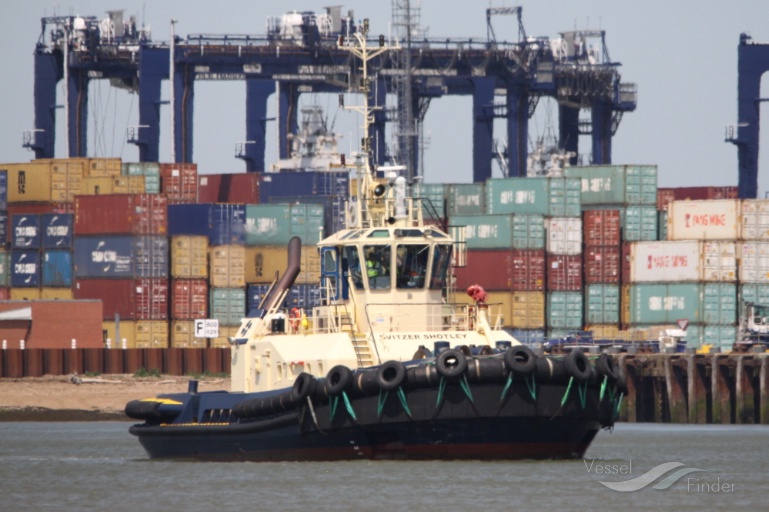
<point>517,131</point>
<point>568,130</point>
<point>601,113</point>
<point>184,96</point>
<point>78,113</point>
<point>288,104</point>
<point>483,127</point>
<point>258,91</point>
<point>153,68</point>
<point>47,73</point>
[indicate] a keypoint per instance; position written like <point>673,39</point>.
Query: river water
<point>98,466</point>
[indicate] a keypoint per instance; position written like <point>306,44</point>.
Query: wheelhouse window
<point>353,262</point>
<point>378,266</point>
<point>441,260</point>
<point>411,264</point>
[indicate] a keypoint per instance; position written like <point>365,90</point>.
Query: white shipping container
<point>688,260</point>
<point>754,223</point>
<point>658,262</point>
<point>564,235</point>
<point>714,219</point>
<point>754,262</point>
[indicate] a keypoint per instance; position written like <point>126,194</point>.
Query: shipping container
<point>754,221</point>
<point>5,269</point>
<point>433,197</point>
<point>666,195</point>
<point>28,182</point>
<point>100,186</point>
<point>183,335</point>
<point>719,303</point>
<point>129,299</point>
<point>129,185</point>
<point>150,171</point>
<point>601,227</point>
<point>179,181</point>
<point>263,264</point>
<point>51,324</point>
<point>121,256</point>
<point>500,306</point>
<point>753,292</point>
<point>564,235</point>
<point>527,310</point>
<point>24,294</point>
<point>639,223</point>
<point>228,305</point>
<point>121,214</point>
<point>66,179</point>
<point>304,183</point>
<point>25,269</point>
<point>57,268</point>
<point>189,256</point>
<point>228,266</point>
<point>223,224</point>
<point>704,220</point>
<point>56,230</point>
<point>223,340</point>
<point>229,188</point>
<point>466,199</point>
<point>4,233</point>
<point>557,197</point>
<point>25,231</point>
<point>3,190</point>
<point>152,334</point>
<point>602,304</point>
<point>606,332</point>
<point>653,262</point>
<point>527,336</point>
<point>602,264</point>
<point>56,294</point>
<point>304,296</point>
<point>662,225</point>
<point>502,231</point>
<point>120,334</point>
<point>189,299</point>
<point>754,262</point>
<point>665,303</point>
<point>564,272</point>
<point>100,167</point>
<point>564,310</point>
<point>616,184</point>
<point>528,270</point>
<point>276,224</point>
<point>492,270</point>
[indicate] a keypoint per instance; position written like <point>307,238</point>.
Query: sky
<point>682,54</point>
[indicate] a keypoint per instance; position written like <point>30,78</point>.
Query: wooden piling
<point>744,394</point>
<point>697,390</point>
<point>720,390</point>
<point>763,385</point>
<point>676,398</point>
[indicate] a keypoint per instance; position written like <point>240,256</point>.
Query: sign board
<point>682,323</point>
<point>207,328</point>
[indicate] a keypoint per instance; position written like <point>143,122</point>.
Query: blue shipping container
<point>300,296</point>
<point>121,256</point>
<point>222,223</point>
<point>25,269</point>
<point>3,226</point>
<point>25,231</point>
<point>57,230</point>
<point>303,183</point>
<point>3,190</point>
<point>57,268</point>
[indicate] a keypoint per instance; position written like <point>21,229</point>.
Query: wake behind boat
<point>387,367</point>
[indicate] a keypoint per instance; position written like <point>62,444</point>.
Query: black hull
<point>453,421</point>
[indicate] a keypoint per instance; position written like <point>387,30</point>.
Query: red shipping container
<point>528,270</point>
<point>5,293</point>
<point>664,197</point>
<point>179,181</point>
<point>602,264</point>
<point>118,214</point>
<point>564,272</point>
<point>189,299</point>
<point>229,188</point>
<point>601,227</point>
<point>492,270</point>
<point>132,299</point>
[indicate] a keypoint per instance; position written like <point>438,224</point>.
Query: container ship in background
<point>599,249</point>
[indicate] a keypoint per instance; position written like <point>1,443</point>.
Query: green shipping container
<point>276,224</point>
<point>719,303</point>
<point>639,223</point>
<point>554,197</point>
<point>602,304</point>
<point>228,305</point>
<point>564,310</point>
<point>466,199</point>
<point>5,269</point>
<point>753,292</point>
<point>665,303</point>
<point>616,184</point>
<point>435,192</point>
<point>502,231</point>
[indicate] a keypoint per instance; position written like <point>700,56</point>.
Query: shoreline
<point>79,398</point>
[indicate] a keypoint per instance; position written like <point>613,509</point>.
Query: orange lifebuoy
<point>295,318</point>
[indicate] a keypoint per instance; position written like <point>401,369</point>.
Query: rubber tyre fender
<point>606,367</point>
<point>338,379</point>
<point>520,360</point>
<point>451,363</point>
<point>390,375</point>
<point>304,386</point>
<point>578,366</point>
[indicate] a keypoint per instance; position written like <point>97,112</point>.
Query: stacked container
<point>602,271</point>
<point>179,182</point>
<point>189,288</point>
<point>121,258</point>
<point>143,174</point>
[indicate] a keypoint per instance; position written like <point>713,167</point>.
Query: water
<point>99,466</point>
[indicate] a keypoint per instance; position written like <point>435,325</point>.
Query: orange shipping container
<point>179,181</point>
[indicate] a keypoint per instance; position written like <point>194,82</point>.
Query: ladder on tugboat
<point>342,321</point>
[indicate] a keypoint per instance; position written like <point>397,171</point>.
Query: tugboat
<point>386,367</point>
